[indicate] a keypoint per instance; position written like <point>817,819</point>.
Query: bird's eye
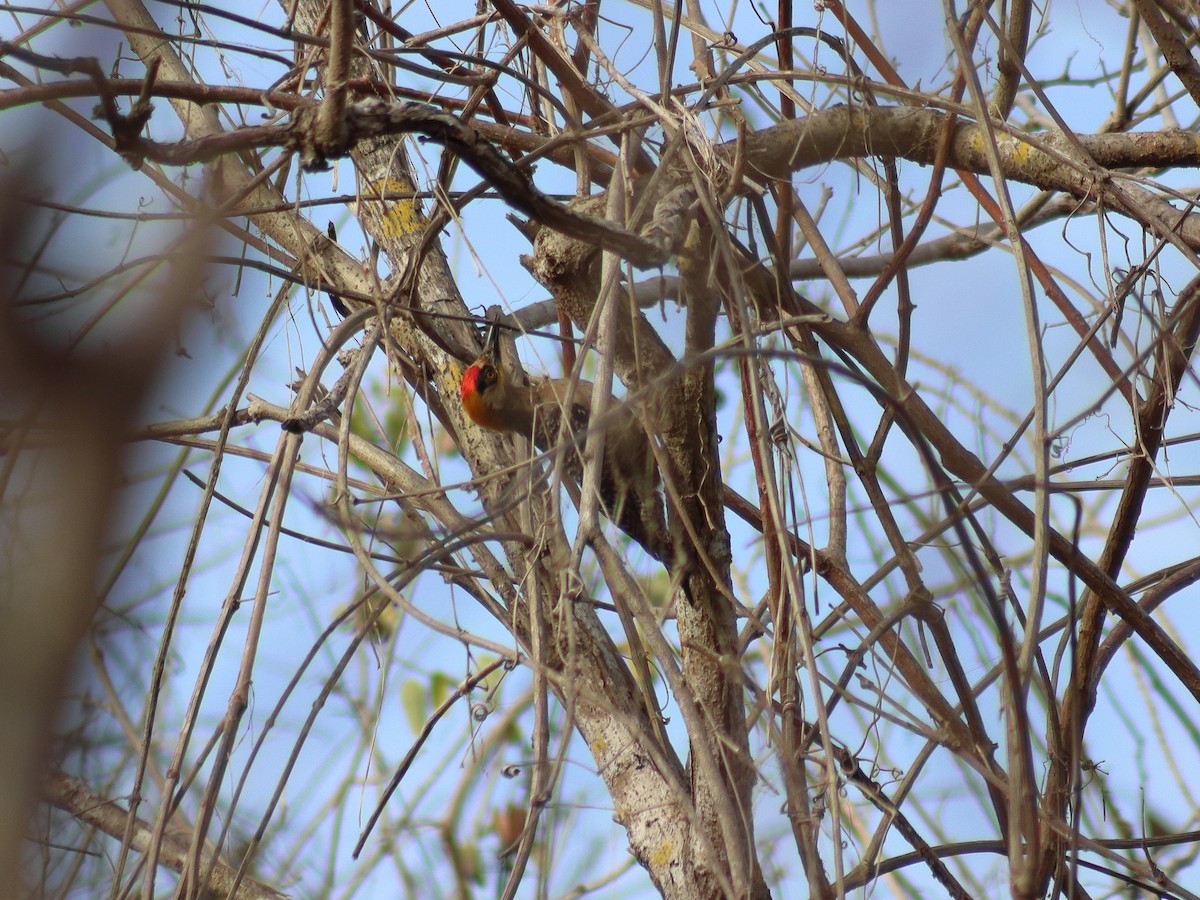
<point>489,374</point>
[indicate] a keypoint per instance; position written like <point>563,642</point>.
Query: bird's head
<point>484,384</point>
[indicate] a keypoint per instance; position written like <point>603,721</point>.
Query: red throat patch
<point>470,384</point>
<point>472,398</point>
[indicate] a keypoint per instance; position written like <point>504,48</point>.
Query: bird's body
<point>629,479</point>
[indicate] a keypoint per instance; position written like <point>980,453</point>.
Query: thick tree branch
<point>73,796</point>
<point>1044,160</point>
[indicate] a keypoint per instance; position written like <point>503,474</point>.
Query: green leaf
<point>440,686</point>
<point>415,700</point>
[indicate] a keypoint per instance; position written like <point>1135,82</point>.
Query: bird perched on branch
<point>500,398</point>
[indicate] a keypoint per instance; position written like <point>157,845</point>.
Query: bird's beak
<point>491,343</point>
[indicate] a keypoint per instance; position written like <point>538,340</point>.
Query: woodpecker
<point>501,399</point>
